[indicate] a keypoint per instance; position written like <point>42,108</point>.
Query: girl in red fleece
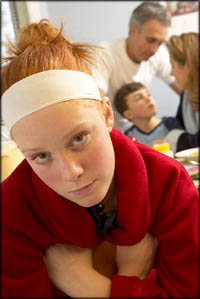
<point>88,213</point>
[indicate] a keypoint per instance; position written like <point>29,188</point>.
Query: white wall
<point>6,26</point>
<point>90,21</point>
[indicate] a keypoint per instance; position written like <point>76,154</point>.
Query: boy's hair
<point>41,47</point>
<point>120,99</point>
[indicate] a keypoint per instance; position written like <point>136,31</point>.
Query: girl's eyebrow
<point>67,135</point>
<point>74,130</point>
<point>32,150</point>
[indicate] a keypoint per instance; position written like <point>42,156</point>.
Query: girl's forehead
<point>69,111</point>
<point>52,121</point>
<point>84,102</point>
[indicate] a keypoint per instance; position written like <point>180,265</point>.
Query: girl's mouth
<point>83,190</point>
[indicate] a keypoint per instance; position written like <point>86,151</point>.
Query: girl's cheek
<point>45,173</point>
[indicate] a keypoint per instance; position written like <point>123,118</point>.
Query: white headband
<point>43,89</point>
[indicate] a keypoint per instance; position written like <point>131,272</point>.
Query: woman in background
<point>184,56</point>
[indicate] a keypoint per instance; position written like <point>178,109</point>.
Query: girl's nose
<point>70,168</point>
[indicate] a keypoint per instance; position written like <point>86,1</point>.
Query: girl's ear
<point>108,113</point>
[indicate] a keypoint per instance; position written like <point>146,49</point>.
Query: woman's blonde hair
<point>185,49</point>
<point>42,47</point>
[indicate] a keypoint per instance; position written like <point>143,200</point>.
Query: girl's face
<point>181,73</point>
<point>68,146</point>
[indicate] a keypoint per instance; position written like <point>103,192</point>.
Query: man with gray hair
<point>139,57</point>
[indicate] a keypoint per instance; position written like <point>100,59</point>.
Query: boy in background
<point>134,102</point>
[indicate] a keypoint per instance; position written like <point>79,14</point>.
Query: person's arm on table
<point>70,267</point>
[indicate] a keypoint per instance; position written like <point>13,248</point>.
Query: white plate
<point>196,183</point>
<point>189,154</point>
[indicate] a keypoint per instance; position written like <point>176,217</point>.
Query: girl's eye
<point>41,158</point>
<point>79,140</point>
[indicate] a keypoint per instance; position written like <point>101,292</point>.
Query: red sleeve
<point>23,271</point>
<point>133,287</point>
<point>175,225</point>
<point>31,279</point>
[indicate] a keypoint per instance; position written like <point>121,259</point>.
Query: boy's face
<point>68,146</point>
<point>141,105</point>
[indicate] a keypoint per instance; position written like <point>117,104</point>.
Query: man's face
<point>144,42</point>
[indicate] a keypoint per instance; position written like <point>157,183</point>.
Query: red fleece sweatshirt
<point>154,193</point>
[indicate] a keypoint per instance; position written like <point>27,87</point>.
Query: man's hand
<point>137,260</point>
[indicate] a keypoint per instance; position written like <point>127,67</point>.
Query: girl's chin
<point>90,205</point>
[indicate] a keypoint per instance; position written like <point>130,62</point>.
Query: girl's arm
<point>70,268</point>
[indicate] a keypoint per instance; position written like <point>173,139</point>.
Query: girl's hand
<point>137,260</point>
<point>66,263</point>
<point>71,270</point>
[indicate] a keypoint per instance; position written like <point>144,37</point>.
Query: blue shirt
<point>161,130</point>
